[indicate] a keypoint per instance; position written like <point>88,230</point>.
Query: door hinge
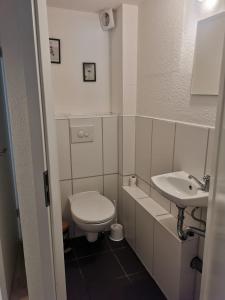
<point>46,188</point>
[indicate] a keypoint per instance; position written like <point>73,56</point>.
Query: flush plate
<point>82,134</point>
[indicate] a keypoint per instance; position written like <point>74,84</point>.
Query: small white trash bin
<point>116,233</point>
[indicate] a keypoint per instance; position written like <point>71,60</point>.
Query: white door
<point>8,217</point>
<point>41,226</point>
<point>42,39</point>
<point>213,280</point>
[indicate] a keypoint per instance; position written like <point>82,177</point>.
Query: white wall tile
<point>188,220</point>
<point>173,210</point>
<point>210,151</point>
<point>144,226</point>
<point>111,192</point>
<point>87,157</point>
<point>190,149</point>
<point>88,184</point>
<point>123,180</point>
<point>128,145</point>
<point>201,247</point>
<point>198,280</point>
<point>111,187</point>
<point>166,260</point>
<point>129,218</point>
<point>126,180</point>
<point>110,144</point>
<point>143,147</point>
<point>66,191</point>
<point>63,142</point>
<point>204,213</point>
<point>171,256</point>
<point>162,147</point>
<point>145,187</point>
<point>162,201</point>
<point>120,199</point>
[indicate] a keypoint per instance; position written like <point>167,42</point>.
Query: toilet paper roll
<point>132,181</point>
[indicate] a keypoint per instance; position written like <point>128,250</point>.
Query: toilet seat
<point>91,207</point>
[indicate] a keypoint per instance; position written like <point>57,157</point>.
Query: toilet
<point>92,212</point>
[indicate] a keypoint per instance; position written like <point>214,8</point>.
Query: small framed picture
<point>89,72</point>
<point>55,51</point>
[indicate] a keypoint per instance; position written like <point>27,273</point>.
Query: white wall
<point>82,40</point>
<point>167,31</point>
<point>116,40</point>
<point>130,44</point>
<point>124,40</point>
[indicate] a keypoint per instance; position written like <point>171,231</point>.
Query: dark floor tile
<point>70,256</point>
<point>100,267</point>
<point>117,245</point>
<point>143,287</point>
<point>81,247</point>
<point>112,290</point>
<point>95,273</point>
<point>77,291</point>
<point>73,272</point>
<point>129,260</point>
<point>75,285</point>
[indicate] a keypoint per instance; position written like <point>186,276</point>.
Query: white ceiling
<point>89,5</point>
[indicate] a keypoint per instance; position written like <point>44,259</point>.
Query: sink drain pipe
<point>191,230</point>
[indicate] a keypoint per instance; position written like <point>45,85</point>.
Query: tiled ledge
<point>70,116</point>
<point>151,232</point>
<point>161,215</point>
<point>176,121</point>
<point>103,115</point>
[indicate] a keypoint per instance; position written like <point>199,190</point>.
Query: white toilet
<point>92,213</point>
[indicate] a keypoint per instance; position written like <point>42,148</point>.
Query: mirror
<point>208,55</point>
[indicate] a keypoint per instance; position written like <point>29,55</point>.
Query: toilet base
<point>92,236</point>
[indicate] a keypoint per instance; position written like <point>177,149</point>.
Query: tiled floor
<point>107,270</point>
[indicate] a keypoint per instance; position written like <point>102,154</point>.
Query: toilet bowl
<point>92,213</point>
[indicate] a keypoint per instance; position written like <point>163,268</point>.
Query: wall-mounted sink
<point>180,189</point>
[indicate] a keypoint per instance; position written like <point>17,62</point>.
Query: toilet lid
<point>91,207</point>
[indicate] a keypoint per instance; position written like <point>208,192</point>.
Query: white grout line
<point>206,154</point>
<point>174,144</point>
<point>151,160</point>
<point>103,165</point>
<point>124,271</point>
<point>70,144</point>
<point>88,177</point>
<point>113,253</point>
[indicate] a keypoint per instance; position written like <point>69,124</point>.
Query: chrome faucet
<point>206,182</point>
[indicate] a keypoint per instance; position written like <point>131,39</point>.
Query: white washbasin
<point>181,190</point>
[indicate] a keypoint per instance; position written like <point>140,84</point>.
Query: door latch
<point>46,188</point>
